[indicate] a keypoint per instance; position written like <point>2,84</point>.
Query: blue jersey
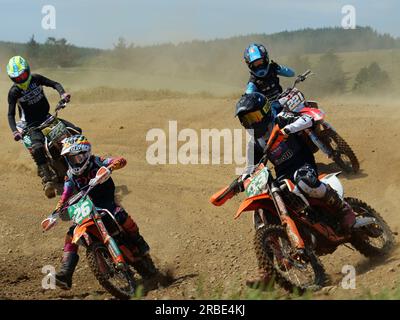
<point>269,85</point>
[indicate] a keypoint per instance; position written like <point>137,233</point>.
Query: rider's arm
<point>50,83</point>
<point>285,71</point>
<point>113,163</point>
<point>292,123</point>
<point>67,192</point>
<point>251,87</point>
<point>12,103</point>
<point>282,70</point>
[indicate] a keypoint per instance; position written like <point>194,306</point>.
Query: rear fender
<point>258,201</point>
<point>334,182</point>
<point>316,114</point>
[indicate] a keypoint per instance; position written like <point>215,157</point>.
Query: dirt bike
<point>322,136</point>
<point>285,218</point>
<point>109,255</point>
<point>54,131</point>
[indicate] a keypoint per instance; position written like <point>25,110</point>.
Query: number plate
<point>57,131</point>
<point>80,211</point>
<point>294,100</point>
<point>258,183</point>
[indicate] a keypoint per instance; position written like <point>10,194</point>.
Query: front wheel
<point>277,258</point>
<point>120,283</point>
<point>374,240</point>
<point>342,153</point>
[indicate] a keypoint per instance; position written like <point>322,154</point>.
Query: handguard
<point>223,195</point>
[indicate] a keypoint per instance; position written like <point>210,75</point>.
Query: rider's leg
<point>39,156</point>
<point>306,180</point>
<point>69,261</point>
<point>132,230</point>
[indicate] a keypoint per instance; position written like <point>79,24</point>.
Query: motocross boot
<point>135,239</point>
<point>68,264</point>
<point>342,208</point>
<point>47,176</point>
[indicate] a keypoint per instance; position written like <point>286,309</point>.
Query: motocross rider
<point>291,157</point>
<point>264,74</point>
<point>27,93</point>
<point>83,166</point>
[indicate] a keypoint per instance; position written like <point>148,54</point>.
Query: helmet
<point>19,72</point>
<point>257,59</point>
<point>254,112</point>
<point>77,151</point>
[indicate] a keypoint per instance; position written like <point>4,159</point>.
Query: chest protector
<point>269,85</point>
<point>103,194</point>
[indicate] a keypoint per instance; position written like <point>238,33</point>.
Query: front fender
<point>82,229</point>
<point>258,201</point>
<point>316,114</point>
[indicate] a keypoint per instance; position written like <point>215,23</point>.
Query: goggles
<point>249,119</point>
<point>256,64</point>
<point>77,158</point>
<point>22,77</point>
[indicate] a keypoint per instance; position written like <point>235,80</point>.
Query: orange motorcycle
<point>108,253</point>
<point>322,136</point>
<point>286,220</point>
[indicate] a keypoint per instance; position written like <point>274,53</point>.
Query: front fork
<point>111,245</point>
<point>291,229</point>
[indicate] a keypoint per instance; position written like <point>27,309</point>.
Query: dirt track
<point>203,244</point>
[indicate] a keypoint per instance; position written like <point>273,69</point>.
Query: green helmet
<point>19,72</point>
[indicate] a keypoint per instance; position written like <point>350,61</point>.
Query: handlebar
<point>51,220</point>
<point>302,77</point>
<point>60,105</point>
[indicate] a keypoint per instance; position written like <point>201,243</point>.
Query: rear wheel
<point>342,153</point>
<point>120,283</point>
<point>277,258</point>
<point>375,240</point>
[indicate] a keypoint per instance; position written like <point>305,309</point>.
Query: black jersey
<point>32,103</point>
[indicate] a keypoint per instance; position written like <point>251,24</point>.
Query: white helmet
<point>77,151</point>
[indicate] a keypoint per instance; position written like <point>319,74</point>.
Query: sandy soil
<point>205,247</point>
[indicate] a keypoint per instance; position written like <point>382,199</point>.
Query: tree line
<point>221,60</point>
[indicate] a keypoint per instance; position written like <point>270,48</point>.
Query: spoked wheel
<point>276,257</point>
<point>342,153</point>
<point>120,283</point>
<point>373,240</point>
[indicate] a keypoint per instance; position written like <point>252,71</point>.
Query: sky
<point>99,23</point>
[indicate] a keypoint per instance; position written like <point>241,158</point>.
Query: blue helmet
<point>257,59</point>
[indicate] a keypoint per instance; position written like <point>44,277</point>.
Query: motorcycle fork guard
<point>111,245</point>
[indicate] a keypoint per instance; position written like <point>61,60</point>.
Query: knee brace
<point>68,245</point>
<point>307,181</point>
<point>38,153</point>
